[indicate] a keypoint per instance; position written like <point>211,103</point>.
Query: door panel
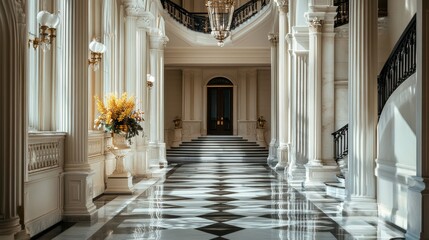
<point>219,111</point>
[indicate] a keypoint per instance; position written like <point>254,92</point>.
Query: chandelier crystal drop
<point>220,15</point>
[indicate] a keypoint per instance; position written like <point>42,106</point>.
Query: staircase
<point>218,149</point>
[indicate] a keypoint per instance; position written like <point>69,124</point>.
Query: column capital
<point>315,24</point>
<point>158,41</point>
<point>145,20</point>
<point>133,8</point>
<point>282,5</point>
<point>273,38</point>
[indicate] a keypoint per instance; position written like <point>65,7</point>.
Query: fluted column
<point>299,151</point>
<point>362,105</point>
<point>272,157</point>
<point>283,89</point>
<point>418,194</point>
<point>157,44</point>
<point>132,12</point>
<point>315,94</point>
<point>141,162</point>
<point>13,106</point>
<point>78,205</point>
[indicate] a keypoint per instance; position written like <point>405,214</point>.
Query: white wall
<point>173,101</point>
<point>396,158</point>
<point>185,96</point>
<point>264,100</point>
<point>400,13</point>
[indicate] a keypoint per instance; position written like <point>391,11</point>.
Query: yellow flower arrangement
<point>119,115</point>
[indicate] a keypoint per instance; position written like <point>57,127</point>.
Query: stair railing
<point>342,17</point>
<point>246,11</point>
<point>400,65</point>
<point>199,22</point>
<point>341,144</point>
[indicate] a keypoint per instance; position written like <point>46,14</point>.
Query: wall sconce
<point>97,49</point>
<point>48,27</point>
<point>150,80</point>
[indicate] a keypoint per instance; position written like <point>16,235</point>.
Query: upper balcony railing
<point>342,17</point>
<point>199,22</point>
<point>400,65</point>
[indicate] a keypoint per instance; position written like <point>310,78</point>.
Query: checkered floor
<point>214,201</point>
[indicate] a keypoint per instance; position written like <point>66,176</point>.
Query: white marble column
<point>141,163</point>
<point>283,89</point>
<point>157,44</point>
<point>418,194</point>
<point>272,157</point>
<point>321,166</point>
<point>299,151</point>
<point>315,93</point>
<point>78,183</point>
<point>360,183</point>
<point>14,122</point>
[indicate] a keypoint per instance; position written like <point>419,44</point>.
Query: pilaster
<point>360,183</point>
<point>13,105</point>
<point>283,88</point>
<point>157,45</point>
<point>78,205</point>
<point>272,157</point>
<point>418,190</point>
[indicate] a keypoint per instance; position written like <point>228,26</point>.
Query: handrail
<point>341,144</point>
<point>199,22</point>
<point>246,11</point>
<point>342,17</point>
<point>400,65</point>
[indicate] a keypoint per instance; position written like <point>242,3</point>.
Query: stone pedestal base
<point>283,157</point>
<point>360,207</point>
<point>316,175</point>
<point>417,201</point>
<point>78,205</point>
<point>177,140</point>
<point>260,138</point>
<point>272,157</point>
<point>162,156</point>
<point>120,184</point>
<point>295,176</point>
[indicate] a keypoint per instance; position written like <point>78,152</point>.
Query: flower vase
<point>120,181</point>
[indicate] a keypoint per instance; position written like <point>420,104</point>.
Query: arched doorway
<point>219,106</point>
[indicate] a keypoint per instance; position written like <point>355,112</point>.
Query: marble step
<point>336,189</point>
<point>216,159</point>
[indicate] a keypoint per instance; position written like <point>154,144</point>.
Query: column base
<point>9,227</point>
<point>78,194</point>
<point>162,155</point>
<point>283,157</point>
<point>120,184</point>
<point>318,174</point>
<point>360,206</point>
<point>295,175</point>
<point>417,209</point>
<point>272,156</point>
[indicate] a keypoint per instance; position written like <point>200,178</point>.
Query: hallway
<point>223,201</point>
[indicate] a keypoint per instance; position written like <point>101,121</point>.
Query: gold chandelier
<point>220,15</point>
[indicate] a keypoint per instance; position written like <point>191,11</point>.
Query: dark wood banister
<point>400,65</point>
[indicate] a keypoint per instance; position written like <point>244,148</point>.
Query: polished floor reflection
<point>222,201</point>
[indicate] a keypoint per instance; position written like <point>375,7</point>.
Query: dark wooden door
<point>219,111</point>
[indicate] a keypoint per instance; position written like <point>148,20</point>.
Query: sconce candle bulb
<point>48,27</point>
<point>97,49</point>
<point>150,80</point>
